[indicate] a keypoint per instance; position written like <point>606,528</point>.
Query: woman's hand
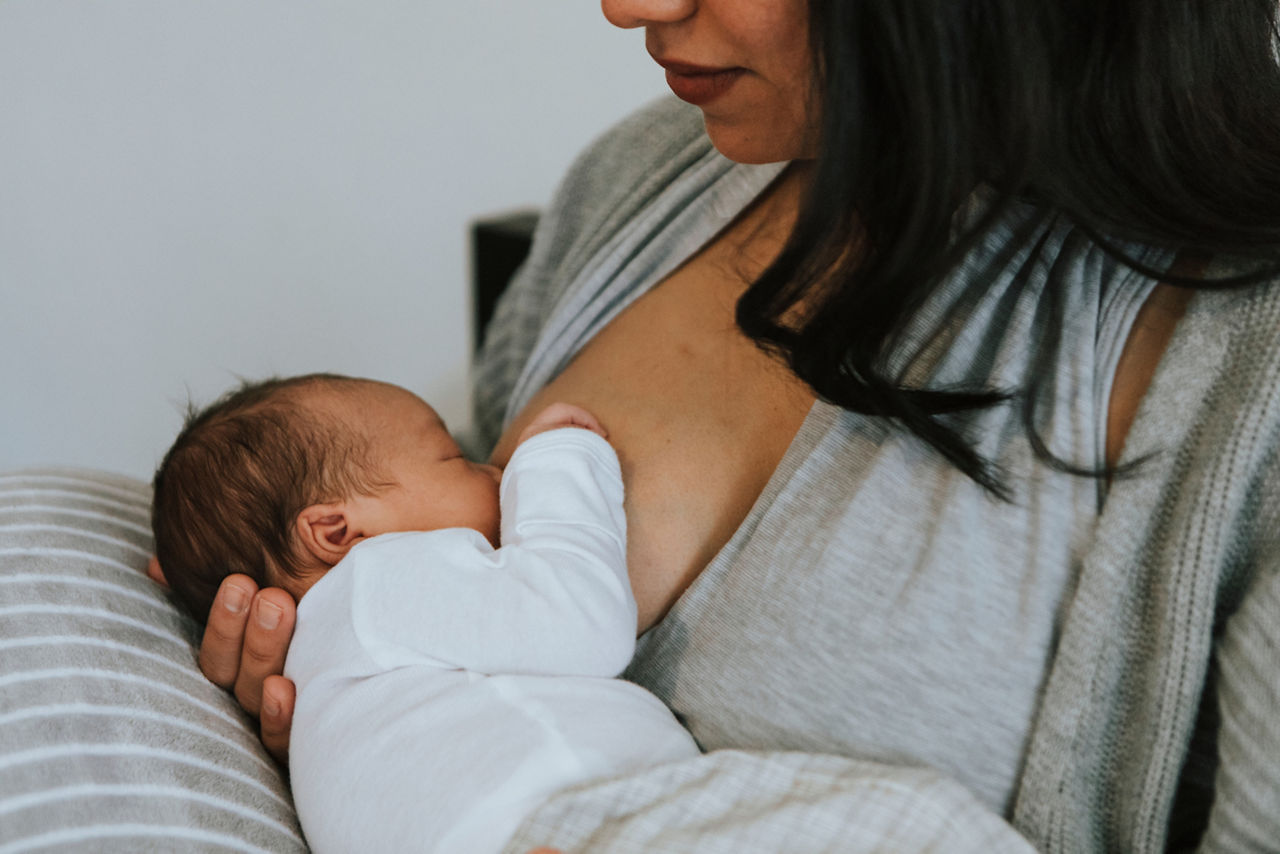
<point>243,650</point>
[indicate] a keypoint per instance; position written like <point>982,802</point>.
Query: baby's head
<point>279,479</point>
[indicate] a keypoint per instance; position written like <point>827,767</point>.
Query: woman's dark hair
<point>1152,121</point>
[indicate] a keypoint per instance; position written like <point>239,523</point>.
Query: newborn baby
<point>458,627</point>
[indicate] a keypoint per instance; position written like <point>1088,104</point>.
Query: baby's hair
<point>227,494</point>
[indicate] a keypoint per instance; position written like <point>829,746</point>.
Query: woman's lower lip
<point>703,88</point>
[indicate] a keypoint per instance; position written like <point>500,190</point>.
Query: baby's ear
<point>325,532</point>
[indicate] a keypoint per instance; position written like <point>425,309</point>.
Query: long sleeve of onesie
<point>554,600</point>
<point>446,688</point>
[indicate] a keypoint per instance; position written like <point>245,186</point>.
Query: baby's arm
<point>555,599</point>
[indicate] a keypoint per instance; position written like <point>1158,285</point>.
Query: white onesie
<point>445,688</point>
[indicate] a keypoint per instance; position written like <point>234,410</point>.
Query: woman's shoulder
<point>1215,390</point>
<point>1245,317</point>
<point>609,184</point>
<point>612,179</point>
<point>656,134</point>
<point>628,164</point>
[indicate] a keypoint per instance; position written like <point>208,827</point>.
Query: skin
<point>694,459</point>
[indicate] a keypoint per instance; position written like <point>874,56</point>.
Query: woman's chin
<point>755,145</point>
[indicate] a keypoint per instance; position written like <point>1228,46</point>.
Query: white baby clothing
<point>446,688</point>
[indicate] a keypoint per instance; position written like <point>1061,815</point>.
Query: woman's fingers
<point>266,643</point>
<point>244,648</point>
<point>278,695</point>
<point>224,632</point>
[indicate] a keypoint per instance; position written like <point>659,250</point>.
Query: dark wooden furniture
<point>499,245</point>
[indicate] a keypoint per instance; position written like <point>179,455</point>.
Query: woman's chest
<point>699,417</point>
<point>877,605</point>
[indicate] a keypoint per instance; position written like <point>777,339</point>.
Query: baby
<point>458,627</point>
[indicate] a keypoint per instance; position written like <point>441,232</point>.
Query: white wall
<point>192,190</point>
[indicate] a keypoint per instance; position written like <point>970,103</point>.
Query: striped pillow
<point>110,738</point>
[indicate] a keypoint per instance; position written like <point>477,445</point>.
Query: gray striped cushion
<point>110,738</point>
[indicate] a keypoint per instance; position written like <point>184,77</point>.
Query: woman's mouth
<point>698,84</point>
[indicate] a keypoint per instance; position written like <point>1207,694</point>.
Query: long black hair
<point>1154,121</point>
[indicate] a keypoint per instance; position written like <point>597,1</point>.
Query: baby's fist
<point>559,415</point>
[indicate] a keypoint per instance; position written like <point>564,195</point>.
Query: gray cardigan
<point>1176,597</point>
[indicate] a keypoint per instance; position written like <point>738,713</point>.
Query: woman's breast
<point>878,605</point>
<point>699,417</point>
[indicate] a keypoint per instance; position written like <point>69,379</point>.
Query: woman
<point>938,347</point>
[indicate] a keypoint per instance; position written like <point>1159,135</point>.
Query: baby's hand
<point>559,415</point>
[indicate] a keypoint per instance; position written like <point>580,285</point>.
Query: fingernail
<point>268,614</point>
<point>234,599</point>
<point>270,707</point>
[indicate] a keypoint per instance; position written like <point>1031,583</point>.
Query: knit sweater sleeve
<point>1246,807</point>
<point>742,801</point>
